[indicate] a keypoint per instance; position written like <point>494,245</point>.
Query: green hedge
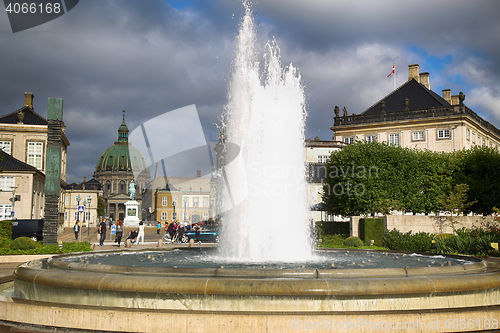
<point>49,249</point>
<point>6,229</point>
<point>333,228</point>
<point>371,229</point>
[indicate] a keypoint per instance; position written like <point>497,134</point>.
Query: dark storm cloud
<point>147,57</point>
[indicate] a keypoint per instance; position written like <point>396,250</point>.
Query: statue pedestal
<point>131,214</point>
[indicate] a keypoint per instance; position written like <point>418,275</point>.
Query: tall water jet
<point>264,188</point>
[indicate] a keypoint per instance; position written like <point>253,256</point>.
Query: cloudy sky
<point>151,57</point>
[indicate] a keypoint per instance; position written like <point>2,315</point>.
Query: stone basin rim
<point>478,267</point>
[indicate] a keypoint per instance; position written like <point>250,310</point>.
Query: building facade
<point>415,116</point>
<point>23,137</point>
<point>115,171</point>
<point>85,194</point>
<point>184,199</point>
<point>317,153</point>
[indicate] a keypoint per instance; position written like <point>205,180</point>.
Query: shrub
<point>333,241</point>
<point>6,229</point>
<point>23,243</point>
<point>421,242</point>
<point>353,241</point>
<point>5,242</point>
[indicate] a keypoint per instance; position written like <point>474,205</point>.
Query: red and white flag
<point>393,70</point>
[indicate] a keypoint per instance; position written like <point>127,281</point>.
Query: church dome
<point>121,156</point>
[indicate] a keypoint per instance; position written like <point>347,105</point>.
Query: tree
<point>479,169</point>
<point>455,203</point>
<point>101,204</point>
<point>371,177</point>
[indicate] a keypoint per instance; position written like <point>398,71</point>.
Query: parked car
<point>28,228</point>
<point>206,235</point>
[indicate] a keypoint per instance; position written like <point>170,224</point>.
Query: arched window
<point>122,186</point>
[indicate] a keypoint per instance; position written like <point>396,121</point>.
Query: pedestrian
<point>76,229</point>
<point>158,227</point>
<point>180,232</point>
<point>119,232</point>
<point>171,231</point>
<point>102,231</point>
<point>141,233</point>
<point>197,230</point>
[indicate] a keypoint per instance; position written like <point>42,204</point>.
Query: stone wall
<point>418,223</point>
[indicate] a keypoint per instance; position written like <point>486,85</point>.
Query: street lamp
<point>13,199</point>
<point>78,198</point>
<point>84,212</point>
<point>185,207</point>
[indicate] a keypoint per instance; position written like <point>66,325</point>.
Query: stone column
<point>52,170</point>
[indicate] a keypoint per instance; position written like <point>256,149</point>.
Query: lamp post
<point>78,198</point>
<point>13,199</point>
<point>185,207</point>
<point>84,212</point>
<point>88,222</point>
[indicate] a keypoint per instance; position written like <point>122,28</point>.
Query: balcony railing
<point>405,115</point>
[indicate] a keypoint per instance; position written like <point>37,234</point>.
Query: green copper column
<point>52,170</point>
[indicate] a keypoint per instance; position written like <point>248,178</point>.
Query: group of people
<point>176,231</point>
<point>139,232</point>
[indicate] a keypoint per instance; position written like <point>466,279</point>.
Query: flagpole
<point>394,76</point>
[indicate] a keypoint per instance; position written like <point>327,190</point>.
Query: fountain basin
<point>68,295</point>
<point>220,289</point>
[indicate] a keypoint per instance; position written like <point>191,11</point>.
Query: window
<point>164,201</point>
<point>394,139</point>
<point>467,134</point>
<point>66,200</point>
<point>164,216</point>
<point>371,138</point>
<point>6,183</point>
<point>76,200</point>
<point>196,202</point>
<point>205,202</point>
<point>65,216</point>
<point>473,137</point>
<point>322,158</point>
<point>35,152</point>
<point>76,216</point>
<point>122,187</point>
<point>418,136</point>
<point>87,216</point>
<point>349,140</point>
<point>444,134</point>
<point>5,146</point>
<point>205,216</point>
<point>5,212</point>
<point>174,201</point>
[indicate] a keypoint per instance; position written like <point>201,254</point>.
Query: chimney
<point>84,181</point>
<point>454,100</point>
<point>424,79</point>
<point>413,69</point>
<point>447,95</point>
<point>198,173</point>
<point>28,99</point>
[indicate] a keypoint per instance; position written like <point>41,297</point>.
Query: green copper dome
<point>121,156</point>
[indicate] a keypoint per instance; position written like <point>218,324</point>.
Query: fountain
<point>287,286</point>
